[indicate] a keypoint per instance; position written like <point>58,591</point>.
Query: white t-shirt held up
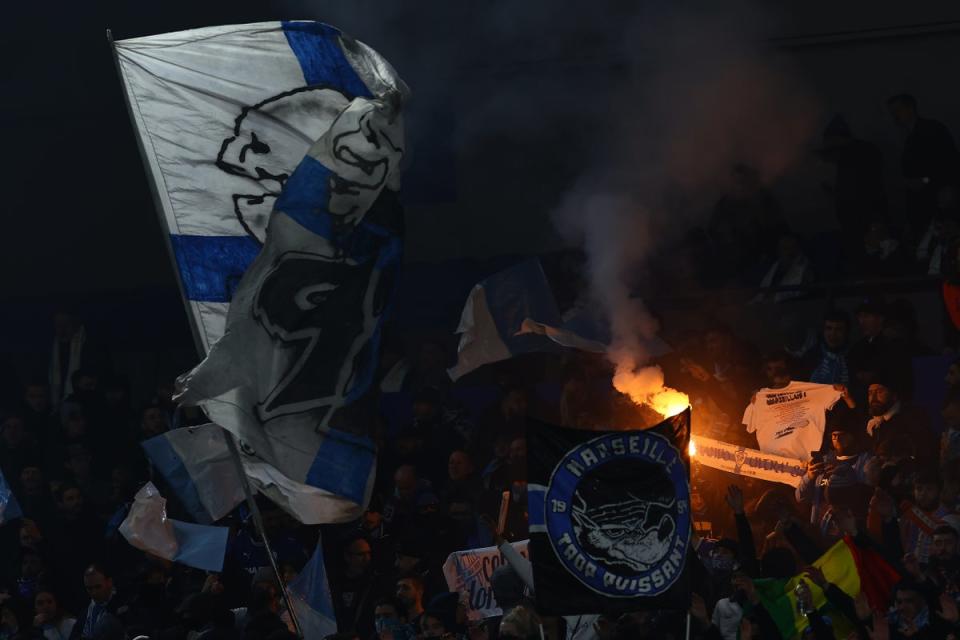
<point>790,421</point>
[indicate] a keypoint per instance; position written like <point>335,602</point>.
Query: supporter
<point>508,416</point>
<point>920,519</point>
<point>78,465</point>
<point>929,159</point>
<point>746,218</point>
<point>825,362</point>
<point>34,495</point>
<point>410,591</point>
<point>15,620</point>
<point>900,329</point>
<point>726,371</point>
<point>429,368</point>
<point>790,269</point>
<point>938,244</point>
<point>857,188</point>
<point>77,533</point>
<point>36,410</point>
<point>389,615</point>
<point>890,415</point>
<point>73,349</point>
<point>522,623</point>
<point>462,479</point>
<point>401,507</point>
<point>943,565</point>
<point>33,573</point>
<point>870,351</point>
<point>51,619</point>
<point>912,617</point>
<point>153,421</point>
<point>434,626</point>
<point>103,617</point>
<point>356,587</point>
<point>17,446</point>
<point>439,431</point>
<point>469,532</point>
<point>833,479</point>
<point>880,254</point>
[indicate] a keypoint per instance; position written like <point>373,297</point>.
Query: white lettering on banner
<point>469,572</point>
<point>748,462</point>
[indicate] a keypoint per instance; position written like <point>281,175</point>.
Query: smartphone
<point>816,456</point>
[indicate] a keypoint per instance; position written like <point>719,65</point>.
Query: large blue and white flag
<point>9,507</point>
<point>312,602</point>
<point>275,149</point>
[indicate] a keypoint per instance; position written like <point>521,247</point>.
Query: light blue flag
<point>200,545</point>
<point>9,507</point>
<point>147,527</point>
<point>197,465</point>
<point>312,602</point>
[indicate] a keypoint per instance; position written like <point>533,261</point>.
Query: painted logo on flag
<point>618,514</point>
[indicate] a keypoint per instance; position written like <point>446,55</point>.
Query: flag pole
<point>258,521</point>
<point>198,341</point>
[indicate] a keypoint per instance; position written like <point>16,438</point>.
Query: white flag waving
<point>286,136</point>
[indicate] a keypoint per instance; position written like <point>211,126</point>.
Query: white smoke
<point>715,99</point>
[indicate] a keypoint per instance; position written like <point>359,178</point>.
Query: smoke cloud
<point>715,99</point>
<point>632,114</point>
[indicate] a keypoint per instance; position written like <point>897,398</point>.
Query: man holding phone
<point>833,474</point>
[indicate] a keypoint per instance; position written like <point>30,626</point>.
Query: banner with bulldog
<point>610,520</point>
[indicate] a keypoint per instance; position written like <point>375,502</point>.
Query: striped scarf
<point>831,369</point>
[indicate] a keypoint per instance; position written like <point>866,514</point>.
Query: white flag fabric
<point>148,528</point>
<point>224,115</point>
<point>276,150</point>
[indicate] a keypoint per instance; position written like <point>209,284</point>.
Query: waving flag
<point>224,115</point>
<point>310,594</point>
<point>148,528</point>
<point>851,568</point>
<point>275,151</point>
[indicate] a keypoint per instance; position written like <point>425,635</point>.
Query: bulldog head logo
<point>268,141</point>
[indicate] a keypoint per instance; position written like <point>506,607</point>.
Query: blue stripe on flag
<point>318,50</point>
<point>305,197</point>
<point>199,545</point>
<point>342,465</point>
<point>536,509</point>
<point>211,266</point>
<point>171,467</point>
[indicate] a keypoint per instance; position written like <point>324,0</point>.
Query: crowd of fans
<point>451,467</point>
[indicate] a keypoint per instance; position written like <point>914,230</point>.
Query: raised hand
<point>816,576</point>
<point>881,628</point>
<point>948,609</point>
<point>698,608</point>
<point>735,499</point>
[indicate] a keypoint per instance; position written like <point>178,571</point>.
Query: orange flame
<point>692,448</point>
<point>645,386</point>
